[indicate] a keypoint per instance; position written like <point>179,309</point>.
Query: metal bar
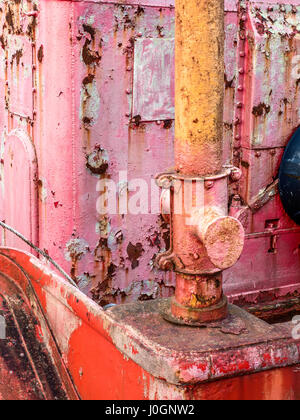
<point>199,92</point>
<point>43,253</point>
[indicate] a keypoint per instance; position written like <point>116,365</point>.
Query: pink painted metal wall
<point>87,92</point>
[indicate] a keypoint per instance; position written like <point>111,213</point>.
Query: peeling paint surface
<point>132,353</point>
<point>94,99</point>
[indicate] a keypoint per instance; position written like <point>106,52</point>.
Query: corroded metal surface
<point>27,371</point>
<point>132,353</point>
<point>77,96</point>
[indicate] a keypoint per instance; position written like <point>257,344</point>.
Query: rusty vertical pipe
<point>204,239</point>
<point>199,93</point>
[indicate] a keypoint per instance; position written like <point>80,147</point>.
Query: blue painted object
<point>289,178</point>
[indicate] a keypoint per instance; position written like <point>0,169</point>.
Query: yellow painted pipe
<point>199,62</point>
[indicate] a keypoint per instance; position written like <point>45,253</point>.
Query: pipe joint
<point>205,240</point>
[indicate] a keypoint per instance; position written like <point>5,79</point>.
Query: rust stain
<point>134,252</point>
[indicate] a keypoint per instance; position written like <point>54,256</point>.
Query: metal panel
<point>272,97</point>
<point>153,85</point>
<point>20,80</point>
<point>18,188</point>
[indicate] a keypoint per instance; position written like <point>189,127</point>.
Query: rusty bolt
<point>209,184</point>
<point>236,174</point>
<point>236,198</point>
<point>165,183</point>
<point>167,265</point>
<point>97,161</point>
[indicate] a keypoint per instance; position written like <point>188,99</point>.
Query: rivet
<point>128,91</point>
<point>236,174</point>
<point>273,152</point>
<point>196,256</point>
<point>244,18</point>
<point>139,34</point>
<point>209,184</point>
<point>237,137</point>
<point>239,105</point>
<point>241,70</point>
<point>129,68</point>
<point>158,122</point>
<point>242,54</point>
<point>257,154</point>
<point>240,88</point>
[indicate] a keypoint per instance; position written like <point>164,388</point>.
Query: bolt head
<point>236,174</point>
<point>167,265</point>
<point>209,184</point>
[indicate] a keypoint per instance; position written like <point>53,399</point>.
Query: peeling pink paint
<point>72,84</point>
